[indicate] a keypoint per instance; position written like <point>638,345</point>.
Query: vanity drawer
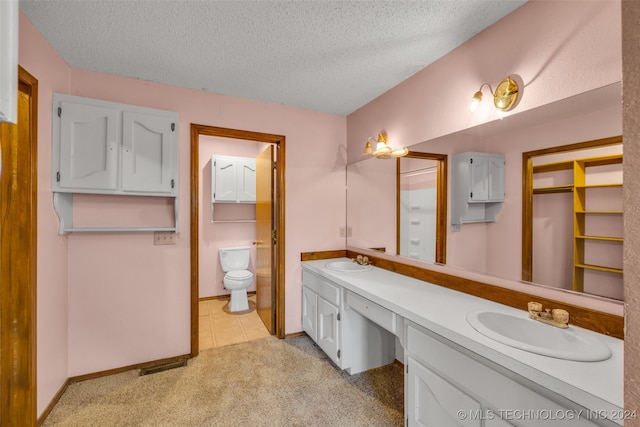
<point>372,311</point>
<point>324,289</point>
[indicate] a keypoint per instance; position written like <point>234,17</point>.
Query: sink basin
<point>517,330</point>
<point>347,266</point>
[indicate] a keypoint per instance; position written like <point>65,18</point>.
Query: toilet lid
<point>239,274</point>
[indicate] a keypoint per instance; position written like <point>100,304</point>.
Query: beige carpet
<point>267,382</point>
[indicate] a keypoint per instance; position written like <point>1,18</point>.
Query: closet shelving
<point>584,210</point>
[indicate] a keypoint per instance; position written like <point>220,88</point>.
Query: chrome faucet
<point>362,260</point>
<point>556,317</point>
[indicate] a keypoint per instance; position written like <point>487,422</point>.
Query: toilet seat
<point>239,274</point>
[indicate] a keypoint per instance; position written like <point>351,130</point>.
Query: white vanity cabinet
<point>446,385</point>
<point>478,187</point>
<point>321,314</point>
<point>109,148</point>
<point>233,179</point>
<point>351,340</point>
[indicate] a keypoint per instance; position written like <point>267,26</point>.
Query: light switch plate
<point>164,238</point>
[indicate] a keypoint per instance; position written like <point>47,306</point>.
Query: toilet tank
<point>235,258</point>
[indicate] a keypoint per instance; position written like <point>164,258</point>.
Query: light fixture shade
<point>477,98</point>
<point>383,150</point>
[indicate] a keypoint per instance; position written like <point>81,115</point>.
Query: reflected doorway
<point>422,206</point>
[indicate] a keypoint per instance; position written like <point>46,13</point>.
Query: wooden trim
<point>310,256</point>
<point>576,146</point>
<point>279,142</point>
<point>441,215</point>
<point>295,335</point>
<point>597,321</point>
<point>527,188</point>
<point>145,365</point>
<point>18,259</point>
<point>441,202</point>
<point>194,238</point>
<point>53,402</point>
<point>527,218</point>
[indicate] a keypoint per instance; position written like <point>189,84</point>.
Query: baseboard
<point>295,335</point>
<point>145,365</point>
<point>53,403</point>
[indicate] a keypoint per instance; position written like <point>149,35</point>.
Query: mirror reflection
<point>422,207</point>
<point>492,248</point>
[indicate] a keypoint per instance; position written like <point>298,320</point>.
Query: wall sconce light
<point>383,150</point>
<point>504,98</point>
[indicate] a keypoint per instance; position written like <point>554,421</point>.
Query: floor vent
<point>161,368</point>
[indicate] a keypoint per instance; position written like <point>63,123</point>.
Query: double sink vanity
<point>468,361</point>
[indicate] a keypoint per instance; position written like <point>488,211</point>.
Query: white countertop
<point>597,386</point>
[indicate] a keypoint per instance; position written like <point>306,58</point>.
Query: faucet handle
<point>534,306</point>
<point>560,316</point>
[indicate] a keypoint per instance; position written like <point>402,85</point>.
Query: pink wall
<point>556,49</point>
<point>111,300</point>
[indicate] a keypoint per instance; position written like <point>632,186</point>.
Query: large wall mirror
<point>490,248</point>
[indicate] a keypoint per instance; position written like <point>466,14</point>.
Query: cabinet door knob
<point>257,242</point>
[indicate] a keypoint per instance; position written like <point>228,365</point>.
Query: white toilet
<point>237,278</point>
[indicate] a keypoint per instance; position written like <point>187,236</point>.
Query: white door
<point>434,402</point>
<point>327,328</point>
<point>225,180</point>
<point>479,179</point>
<point>147,153</point>
<point>88,147</point>
<point>309,312</point>
<point>246,180</point>
<point>496,178</point>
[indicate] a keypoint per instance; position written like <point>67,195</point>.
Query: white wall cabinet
<point>447,385</point>
<point>349,339</point>
<point>478,187</point>
<point>108,148</point>
<point>233,179</point>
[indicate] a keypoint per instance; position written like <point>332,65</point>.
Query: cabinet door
<point>327,328</point>
<point>434,402</point>
<point>478,175</point>
<point>496,178</point>
<point>246,180</point>
<point>148,155</point>
<point>309,312</point>
<point>88,147</point>
<point>225,180</point>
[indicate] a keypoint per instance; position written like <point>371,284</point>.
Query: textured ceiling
<point>329,56</point>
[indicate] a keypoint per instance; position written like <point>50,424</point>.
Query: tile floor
<point>219,328</point>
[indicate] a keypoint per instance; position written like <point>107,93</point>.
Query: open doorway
<point>269,225</point>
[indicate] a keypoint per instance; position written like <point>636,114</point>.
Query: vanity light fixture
<point>383,150</point>
<point>504,98</point>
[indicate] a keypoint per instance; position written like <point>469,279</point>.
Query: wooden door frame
<point>278,140</point>
<point>18,361</point>
<point>441,202</point>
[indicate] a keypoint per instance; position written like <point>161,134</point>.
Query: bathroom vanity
<point>454,375</point>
